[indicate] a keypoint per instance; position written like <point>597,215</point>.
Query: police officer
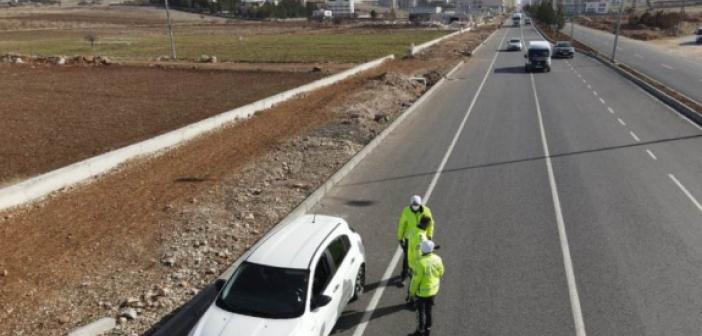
<point>408,222</point>
<point>428,271</point>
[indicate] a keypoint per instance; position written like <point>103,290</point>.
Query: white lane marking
<point>651,154</point>
<point>610,110</point>
<point>667,66</point>
<point>565,247</point>
<point>638,56</point>
<point>633,135</point>
<point>684,190</point>
<point>594,92</point>
<point>602,101</point>
<point>378,294</point>
<point>580,76</point>
<point>621,121</point>
<point>589,86</point>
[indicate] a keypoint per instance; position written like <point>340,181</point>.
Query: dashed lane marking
<point>651,154</point>
<point>687,193</point>
<point>633,135</point>
<point>621,121</point>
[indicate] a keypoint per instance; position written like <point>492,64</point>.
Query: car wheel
<point>360,283</point>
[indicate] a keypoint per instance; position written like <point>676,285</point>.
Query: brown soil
<point>637,31</point>
<point>77,255</point>
<point>56,115</point>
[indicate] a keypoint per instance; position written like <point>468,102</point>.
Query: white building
<point>341,8</point>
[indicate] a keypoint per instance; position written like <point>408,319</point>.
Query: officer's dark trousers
<point>405,265</point>
<point>424,313</point>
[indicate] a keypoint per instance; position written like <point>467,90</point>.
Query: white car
<point>295,282</point>
<point>514,44</point>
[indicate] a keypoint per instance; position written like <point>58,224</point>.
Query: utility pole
<point>575,13</point>
<point>616,34</point>
<point>678,29</point>
<point>170,31</point>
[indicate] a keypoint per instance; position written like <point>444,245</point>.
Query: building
<point>341,8</point>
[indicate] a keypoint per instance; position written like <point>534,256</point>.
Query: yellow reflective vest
<point>414,246</point>
<point>427,276</point>
<point>409,220</point>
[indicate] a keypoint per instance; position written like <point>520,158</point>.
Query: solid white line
<point>633,135</point>
<point>684,190</point>
<point>610,110</point>
<point>621,121</point>
<point>602,101</point>
<point>565,247</point>
<point>378,294</point>
<point>667,66</point>
<point>651,154</point>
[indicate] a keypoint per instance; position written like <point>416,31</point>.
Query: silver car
<point>514,45</point>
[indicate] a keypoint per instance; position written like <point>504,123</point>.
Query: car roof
<point>294,245</point>
<point>539,45</point>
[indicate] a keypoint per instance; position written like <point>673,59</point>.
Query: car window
<point>265,291</point>
<point>322,275</point>
<point>338,249</point>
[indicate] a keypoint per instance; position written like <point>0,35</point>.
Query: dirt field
<point>82,253</point>
<point>642,32</point>
<point>53,115</point>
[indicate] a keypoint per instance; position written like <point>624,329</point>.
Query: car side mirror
<point>320,301</point>
<point>219,284</point>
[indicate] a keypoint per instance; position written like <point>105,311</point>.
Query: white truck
<point>517,19</point>
<point>538,56</point>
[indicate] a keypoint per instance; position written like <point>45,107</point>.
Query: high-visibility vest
<point>428,271</point>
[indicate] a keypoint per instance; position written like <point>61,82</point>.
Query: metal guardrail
<point>673,3</point>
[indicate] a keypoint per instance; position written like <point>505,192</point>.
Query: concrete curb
<point>677,105</point>
<point>98,327</point>
<point>196,306</point>
<point>40,186</point>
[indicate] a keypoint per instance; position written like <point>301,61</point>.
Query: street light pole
<point>616,34</point>
<point>572,20</point>
<point>170,31</point>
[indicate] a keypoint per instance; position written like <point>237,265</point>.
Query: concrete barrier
<point>40,186</point>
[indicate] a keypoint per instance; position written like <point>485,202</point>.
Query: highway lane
<point>683,74</point>
<point>634,234</point>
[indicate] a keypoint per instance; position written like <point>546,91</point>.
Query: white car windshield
<point>264,291</point>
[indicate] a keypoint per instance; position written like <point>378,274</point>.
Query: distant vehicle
<point>563,49</point>
<point>538,56</point>
<point>517,19</point>
<point>527,21</point>
<point>514,44</point>
<point>698,35</point>
<point>296,282</point>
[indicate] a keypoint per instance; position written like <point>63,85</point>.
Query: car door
<point>345,275</point>
<point>323,284</point>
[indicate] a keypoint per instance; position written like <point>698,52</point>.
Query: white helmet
<point>427,246</point>
<point>416,200</point>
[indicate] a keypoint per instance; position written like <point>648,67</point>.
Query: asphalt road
<point>567,203</point>
<point>683,74</point>
<point>610,210</point>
